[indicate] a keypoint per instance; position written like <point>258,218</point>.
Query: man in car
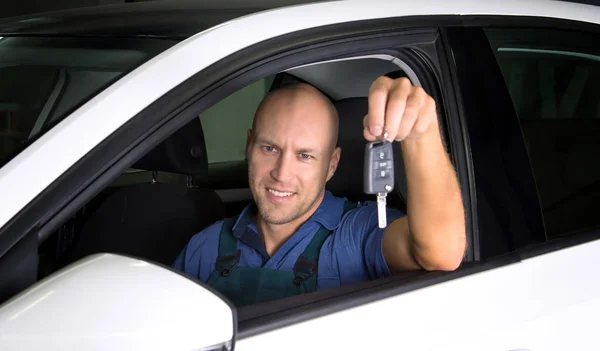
<point>297,237</point>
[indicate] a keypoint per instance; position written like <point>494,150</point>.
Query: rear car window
<point>45,79</point>
<point>554,78</point>
<point>236,112</point>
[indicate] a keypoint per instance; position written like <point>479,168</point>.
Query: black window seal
<point>508,209</point>
<point>457,128</point>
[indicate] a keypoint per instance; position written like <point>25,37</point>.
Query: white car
<point>122,131</point>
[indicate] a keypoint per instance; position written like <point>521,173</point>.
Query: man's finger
<point>395,106</point>
<point>378,95</point>
<point>414,103</point>
<point>366,133</point>
<point>427,117</point>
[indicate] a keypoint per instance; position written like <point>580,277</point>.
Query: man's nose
<point>284,169</point>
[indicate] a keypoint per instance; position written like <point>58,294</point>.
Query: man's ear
<point>334,161</point>
<point>248,141</point>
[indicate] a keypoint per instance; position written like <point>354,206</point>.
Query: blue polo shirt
<point>352,253</point>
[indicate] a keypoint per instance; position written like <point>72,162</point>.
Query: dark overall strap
<point>227,241</point>
<point>307,264</point>
<point>229,255</point>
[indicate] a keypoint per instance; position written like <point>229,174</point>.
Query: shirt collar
<point>245,220</point>
<point>328,214</point>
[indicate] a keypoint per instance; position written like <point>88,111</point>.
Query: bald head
<point>301,98</point>
<point>291,152</point>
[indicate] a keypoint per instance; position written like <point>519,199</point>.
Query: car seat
<point>348,178</point>
<point>154,220</point>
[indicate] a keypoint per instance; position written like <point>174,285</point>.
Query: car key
<point>379,174</point>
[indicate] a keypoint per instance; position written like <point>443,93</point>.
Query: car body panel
<point>528,305</point>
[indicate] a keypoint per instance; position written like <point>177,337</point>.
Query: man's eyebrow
<point>302,150</point>
<point>264,141</point>
<point>306,151</point>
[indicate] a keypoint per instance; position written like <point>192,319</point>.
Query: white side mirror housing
<point>111,302</point>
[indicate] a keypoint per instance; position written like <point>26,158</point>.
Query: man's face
<point>290,158</point>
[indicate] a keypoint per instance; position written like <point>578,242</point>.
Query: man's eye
<point>268,148</point>
<point>305,156</point>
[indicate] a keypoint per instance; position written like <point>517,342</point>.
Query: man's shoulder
<point>359,212</point>
<point>215,227</point>
<point>207,233</point>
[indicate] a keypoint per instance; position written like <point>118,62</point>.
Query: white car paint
<point>20,179</point>
<point>530,305</point>
<point>110,302</point>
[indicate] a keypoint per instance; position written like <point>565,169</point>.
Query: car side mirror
<point>112,302</point>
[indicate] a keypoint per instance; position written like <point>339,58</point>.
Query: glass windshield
<point>45,79</point>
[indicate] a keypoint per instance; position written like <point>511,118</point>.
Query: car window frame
<point>148,128</point>
<point>108,159</point>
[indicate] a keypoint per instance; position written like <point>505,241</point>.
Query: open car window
<point>45,79</point>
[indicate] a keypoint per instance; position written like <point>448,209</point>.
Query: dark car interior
<point>560,121</point>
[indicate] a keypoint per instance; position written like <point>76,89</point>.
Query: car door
<point>538,290</point>
<point>528,92</point>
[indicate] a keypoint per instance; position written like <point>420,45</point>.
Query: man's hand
<point>398,108</point>
<point>432,236</point>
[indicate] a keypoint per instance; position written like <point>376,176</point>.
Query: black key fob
<point>378,174</point>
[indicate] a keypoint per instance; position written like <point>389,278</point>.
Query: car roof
<point>184,18</point>
<point>173,19</point>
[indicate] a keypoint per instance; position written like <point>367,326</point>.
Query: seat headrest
<point>183,152</point>
<point>348,178</point>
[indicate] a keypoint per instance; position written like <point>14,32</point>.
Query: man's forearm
<point>435,210</point>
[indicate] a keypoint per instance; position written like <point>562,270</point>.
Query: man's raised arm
<point>432,235</point>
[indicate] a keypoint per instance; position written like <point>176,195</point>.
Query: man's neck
<point>275,235</point>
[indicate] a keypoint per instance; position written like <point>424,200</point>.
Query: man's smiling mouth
<point>280,193</point>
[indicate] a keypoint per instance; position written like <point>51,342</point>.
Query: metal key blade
<point>381,214</point>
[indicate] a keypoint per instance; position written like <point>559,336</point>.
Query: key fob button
<point>383,154</point>
<point>382,174</point>
<point>382,165</point>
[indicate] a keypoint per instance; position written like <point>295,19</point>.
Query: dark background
<point>10,8</point>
